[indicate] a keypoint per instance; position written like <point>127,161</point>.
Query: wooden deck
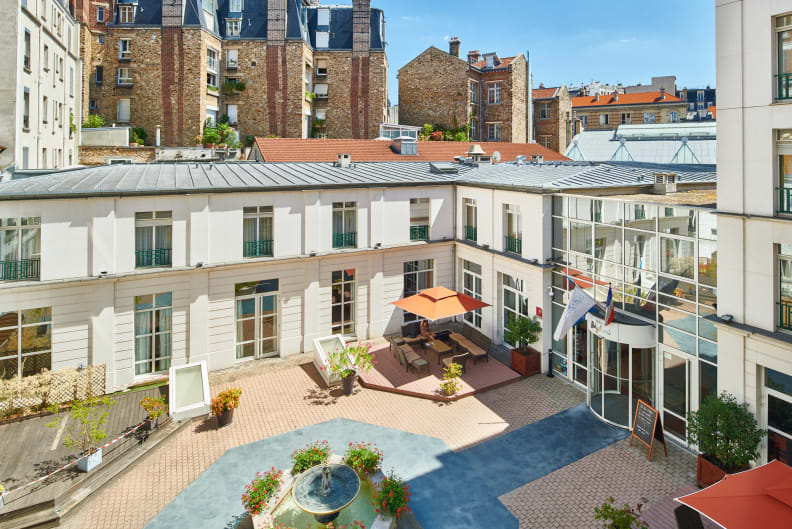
<point>389,375</point>
<point>661,514</point>
<point>30,450</point>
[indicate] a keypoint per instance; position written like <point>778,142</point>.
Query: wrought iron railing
<point>785,315</point>
<point>470,233</point>
<point>419,233</point>
<point>258,248</point>
<point>784,86</point>
<point>345,240</point>
<point>17,270</point>
<point>784,200</point>
<point>513,244</point>
<point>158,257</point>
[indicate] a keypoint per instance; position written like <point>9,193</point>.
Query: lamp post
<point>550,363</point>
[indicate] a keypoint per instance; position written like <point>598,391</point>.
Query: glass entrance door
<point>257,326</point>
<point>676,393</point>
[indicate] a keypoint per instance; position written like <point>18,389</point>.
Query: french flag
<point>609,307</point>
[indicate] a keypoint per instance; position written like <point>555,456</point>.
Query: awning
<point>439,302</point>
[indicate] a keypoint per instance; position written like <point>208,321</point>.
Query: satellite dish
<point>496,156</point>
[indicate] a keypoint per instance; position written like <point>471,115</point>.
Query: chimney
<point>596,97</point>
<point>474,57</point>
<point>616,96</point>
<point>276,21</point>
<point>541,85</point>
<point>662,92</point>
<point>344,160</point>
<point>172,12</point>
<point>664,183</point>
<point>453,46</point>
<point>361,27</point>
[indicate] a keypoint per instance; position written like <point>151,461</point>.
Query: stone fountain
<point>324,491</point>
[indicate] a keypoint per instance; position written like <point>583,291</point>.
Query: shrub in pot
<point>313,454</point>
<point>619,518</point>
<point>155,408</point>
<point>85,429</point>
<point>350,360</point>
<point>364,458</point>
<point>450,384</point>
<point>727,437</point>
<point>258,494</point>
<point>392,496</point>
<point>224,404</point>
<point>522,332</point>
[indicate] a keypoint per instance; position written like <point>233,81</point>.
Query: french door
<point>256,326</point>
<point>678,376</point>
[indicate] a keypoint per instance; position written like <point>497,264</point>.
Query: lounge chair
<point>687,518</point>
<point>413,359</point>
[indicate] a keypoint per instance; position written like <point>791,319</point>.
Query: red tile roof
<point>504,62</point>
<point>312,150</point>
<point>544,93</point>
<point>641,98</point>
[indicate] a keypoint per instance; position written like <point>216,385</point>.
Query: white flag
<point>579,304</point>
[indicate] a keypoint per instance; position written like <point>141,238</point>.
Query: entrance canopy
<point>760,497</point>
<point>439,302</point>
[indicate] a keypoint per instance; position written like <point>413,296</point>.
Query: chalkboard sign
<point>647,427</point>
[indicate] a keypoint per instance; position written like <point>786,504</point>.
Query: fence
<point>36,392</point>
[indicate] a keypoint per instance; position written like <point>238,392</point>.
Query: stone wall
<point>90,155</point>
<point>554,131</point>
<point>662,112</point>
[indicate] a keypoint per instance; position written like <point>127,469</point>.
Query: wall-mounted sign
<point>539,311</point>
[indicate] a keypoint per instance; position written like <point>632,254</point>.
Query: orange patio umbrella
<point>760,497</point>
<point>439,302</point>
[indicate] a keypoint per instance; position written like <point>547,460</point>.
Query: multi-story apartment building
<point>666,82</point>
<point>610,111</point>
<point>40,87</point>
<point>755,213</point>
<point>700,100</point>
<point>553,122</point>
<point>489,93</point>
<point>289,68</point>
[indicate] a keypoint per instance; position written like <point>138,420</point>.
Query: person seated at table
<point>425,332</point>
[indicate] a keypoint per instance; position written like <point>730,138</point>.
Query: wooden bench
<point>473,342</point>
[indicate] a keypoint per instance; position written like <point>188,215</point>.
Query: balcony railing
<point>345,240</point>
<point>158,257</point>
<point>419,233</point>
<point>513,244</point>
<point>785,315</point>
<point>784,86</point>
<point>17,270</point>
<point>470,233</point>
<point>258,248</point>
<point>784,200</point>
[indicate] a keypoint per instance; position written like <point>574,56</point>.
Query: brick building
<point>177,63</point>
<point>553,122</point>
<point>488,92</point>
<point>610,111</point>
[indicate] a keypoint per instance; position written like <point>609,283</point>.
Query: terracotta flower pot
<point>150,425</point>
<point>225,418</point>
<point>348,383</point>
<point>526,364</point>
<point>707,472</point>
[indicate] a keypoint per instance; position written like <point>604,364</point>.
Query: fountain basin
<point>325,490</point>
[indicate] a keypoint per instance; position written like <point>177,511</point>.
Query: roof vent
<point>344,160</point>
<point>443,168</point>
<point>537,158</point>
<point>520,159</point>
<point>665,183</point>
<point>405,146</point>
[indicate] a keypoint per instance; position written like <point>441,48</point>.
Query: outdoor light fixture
<point>727,318</point>
<point>199,264</point>
<point>312,254</point>
<point>486,246</point>
<point>378,245</point>
<point>550,292</point>
<point>550,363</point>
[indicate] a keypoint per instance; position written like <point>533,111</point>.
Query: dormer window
<point>233,27</point>
<point>235,6</point>
<point>125,14</point>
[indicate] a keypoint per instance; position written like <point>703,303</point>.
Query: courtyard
<point>487,452</point>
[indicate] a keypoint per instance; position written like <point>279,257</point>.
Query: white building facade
<point>40,89</point>
<point>754,69</point>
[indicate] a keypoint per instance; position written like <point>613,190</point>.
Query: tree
<point>522,332</point>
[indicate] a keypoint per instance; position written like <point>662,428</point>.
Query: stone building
<point>610,111</point>
<point>39,86</point>
<point>289,68</point>
<point>488,92</point>
<point>553,122</point>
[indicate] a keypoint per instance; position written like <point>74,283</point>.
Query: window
<point>473,93</point>
<point>60,68</point>
<point>44,109</point>
<point>323,17</point>
<point>233,27</point>
<point>673,117</point>
<point>322,39</point>
<point>235,6</point>
<point>99,76</point>
<point>493,131</point>
<point>26,109</point>
<point>153,238</point>
<point>153,329</point>
<point>257,231</point>
<point>101,39</point>
<point>584,119</point>
<point>784,52</point>
<point>699,106</point>
<point>208,5</point>
<point>25,157</point>
<point>321,68</point>
<point>26,58</point>
<point>321,91</point>
<point>43,10</point>
<point>544,110</point>
<point>232,58</point>
<point>344,224</point>
<point>649,117</point>
<point>418,275</point>
<point>231,112</point>
<point>123,78</point>
<point>603,119</point>
<point>92,104</point>
<point>700,95</point>
<point>125,14</point>
<point>471,285</point>
<point>124,50</point>
<point>493,93</point>
<point>626,118</point>
<point>44,158</point>
<point>470,220</point>
<point>544,141</point>
<point>257,319</point>
<point>785,286</point>
<point>20,247</point>
<point>778,388</point>
<point>419,219</point>
<point>45,59</point>
<point>515,304</point>
<point>342,302</point>
<point>511,229</point>
<point>26,342</point>
<point>211,67</point>
<point>99,14</point>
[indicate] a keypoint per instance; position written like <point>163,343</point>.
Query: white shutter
<point>322,39</point>
<point>320,90</point>
<point>232,58</point>
<point>123,110</point>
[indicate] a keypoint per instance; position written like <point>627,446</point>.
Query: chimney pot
<point>453,46</point>
<point>662,92</point>
<point>541,85</point>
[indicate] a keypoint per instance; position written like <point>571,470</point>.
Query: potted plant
<point>154,407</point>
<point>258,494</point>
<point>727,437</point>
<point>364,458</point>
<point>451,374</point>
<point>392,496</point>
<point>210,137</point>
<point>85,429</point>
<point>224,404</point>
<point>346,363</point>
<point>619,518</point>
<point>522,332</point>
<point>2,495</point>
<point>313,454</point>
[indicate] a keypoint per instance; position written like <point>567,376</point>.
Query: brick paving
<point>280,396</point>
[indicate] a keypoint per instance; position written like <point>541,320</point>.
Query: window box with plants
<point>85,430</point>
<point>727,437</point>
<point>233,86</point>
<point>224,404</point>
<point>522,332</point>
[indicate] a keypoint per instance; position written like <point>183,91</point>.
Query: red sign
<point>539,311</point>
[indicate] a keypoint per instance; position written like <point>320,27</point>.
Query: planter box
<point>526,364</point>
<point>707,472</point>
<point>91,462</point>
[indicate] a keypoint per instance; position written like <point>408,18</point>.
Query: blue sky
<point>570,41</point>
